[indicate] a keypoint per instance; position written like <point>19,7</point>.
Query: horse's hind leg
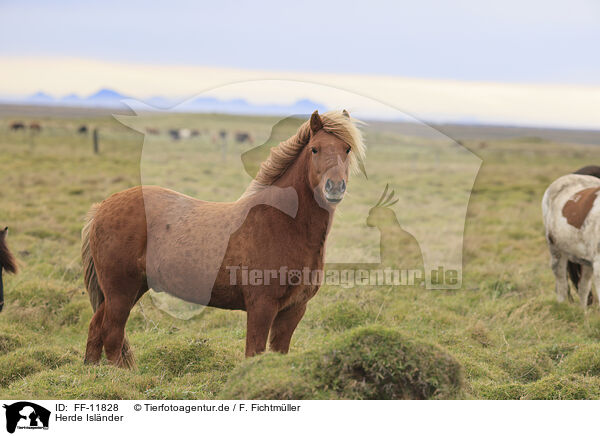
<point>596,279</point>
<point>585,285</point>
<point>558,263</point>
<point>93,349</point>
<point>120,299</point>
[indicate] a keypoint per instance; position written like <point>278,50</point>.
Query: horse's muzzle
<point>334,191</point>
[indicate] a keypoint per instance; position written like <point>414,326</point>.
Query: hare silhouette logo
<point>26,415</point>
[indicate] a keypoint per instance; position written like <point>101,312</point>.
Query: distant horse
<point>35,127</point>
<point>7,263</point>
<point>242,137</point>
<point>185,133</point>
<point>152,237</point>
<point>398,248</point>
<point>152,131</point>
<point>574,268</point>
<point>17,125</point>
<point>572,222</point>
<point>174,134</point>
<point>82,130</point>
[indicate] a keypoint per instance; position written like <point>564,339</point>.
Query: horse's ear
<point>3,233</point>
<point>315,122</point>
<point>345,113</point>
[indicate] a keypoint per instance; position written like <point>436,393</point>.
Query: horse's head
<point>381,215</point>
<point>329,163</point>
<point>7,261</point>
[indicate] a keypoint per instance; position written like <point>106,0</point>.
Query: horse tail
<point>574,271</point>
<point>90,278</point>
<point>89,270</point>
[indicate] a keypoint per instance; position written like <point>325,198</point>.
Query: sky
<point>542,49</point>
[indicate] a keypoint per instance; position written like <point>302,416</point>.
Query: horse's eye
<point>348,150</point>
<point>314,150</point>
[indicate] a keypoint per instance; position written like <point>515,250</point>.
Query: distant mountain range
<point>109,98</point>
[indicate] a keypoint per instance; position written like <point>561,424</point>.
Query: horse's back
<point>565,187</point>
<point>572,214</point>
<point>123,219</point>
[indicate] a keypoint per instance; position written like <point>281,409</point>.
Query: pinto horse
<point>574,268</point>
<point>152,237</point>
<point>572,221</point>
<point>7,263</point>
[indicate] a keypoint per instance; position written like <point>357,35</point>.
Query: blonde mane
<point>282,156</point>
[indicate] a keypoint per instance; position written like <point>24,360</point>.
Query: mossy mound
<point>567,387</point>
<point>179,355</point>
<point>506,391</point>
<point>36,304</point>
<point>77,381</point>
<point>379,363</point>
<point>75,312</point>
<point>9,342</point>
<point>585,361</point>
<point>274,376</point>
<point>527,366</point>
<point>46,295</point>
<point>23,362</point>
<point>364,363</point>
<point>553,387</point>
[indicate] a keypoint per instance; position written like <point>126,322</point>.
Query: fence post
<point>95,139</point>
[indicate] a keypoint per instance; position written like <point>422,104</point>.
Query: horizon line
<point>496,103</point>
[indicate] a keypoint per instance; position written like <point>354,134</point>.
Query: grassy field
<point>502,336</point>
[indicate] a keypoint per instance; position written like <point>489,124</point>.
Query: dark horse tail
<point>7,262</point>
<point>91,278</point>
<point>574,269</point>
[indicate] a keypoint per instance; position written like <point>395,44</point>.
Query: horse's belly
<point>227,298</point>
<point>188,272</point>
<point>195,282</point>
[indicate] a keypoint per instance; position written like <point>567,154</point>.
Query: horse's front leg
<point>283,327</point>
<point>260,315</point>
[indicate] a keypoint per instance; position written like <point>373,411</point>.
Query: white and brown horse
<point>572,221</point>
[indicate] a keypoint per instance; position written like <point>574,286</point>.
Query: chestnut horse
<point>152,237</point>
<point>7,263</point>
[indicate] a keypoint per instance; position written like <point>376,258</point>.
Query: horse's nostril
<point>343,186</point>
<point>328,185</point>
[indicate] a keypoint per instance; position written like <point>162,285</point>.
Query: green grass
<point>501,336</point>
